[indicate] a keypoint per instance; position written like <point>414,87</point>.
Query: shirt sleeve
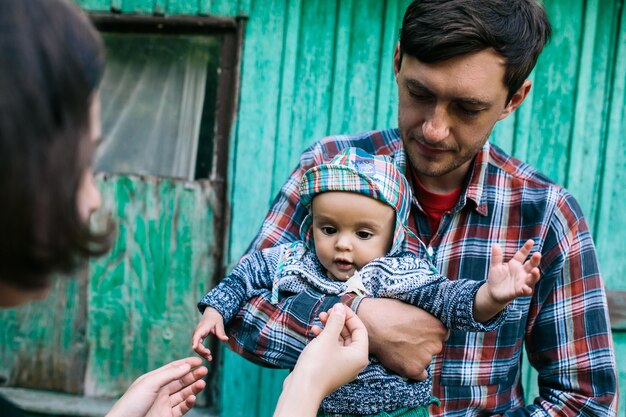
<point>568,337</point>
<point>274,335</point>
<point>251,277</point>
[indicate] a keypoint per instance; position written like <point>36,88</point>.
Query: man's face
<point>447,110</point>
<point>349,231</point>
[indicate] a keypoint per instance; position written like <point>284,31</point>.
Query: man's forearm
<point>403,337</point>
<point>275,334</point>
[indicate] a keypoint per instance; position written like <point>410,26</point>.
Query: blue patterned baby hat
<point>355,170</point>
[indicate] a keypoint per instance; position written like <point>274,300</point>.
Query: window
<point>159,94</point>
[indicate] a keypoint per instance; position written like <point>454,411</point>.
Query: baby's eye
<point>364,235</point>
<point>328,230</point>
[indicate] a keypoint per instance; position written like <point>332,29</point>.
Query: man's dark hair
<point>436,30</point>
<point>52,60</point>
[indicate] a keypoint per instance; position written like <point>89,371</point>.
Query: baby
<point>354,240</point>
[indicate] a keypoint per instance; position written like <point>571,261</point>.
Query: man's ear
<point>517,99</point>
<point>397,60</point>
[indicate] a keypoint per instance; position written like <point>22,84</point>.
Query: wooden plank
<point>254,143</point>
<point>553,100</point>
<point>387,94</point>
<point>204,6</point>
<point>364,60</point>
<point>116,5</point>
<point>611,229</point>
<point>188,7</point>
<point>611,224</point>
<point>138,6</point>
<point>94,5</point>
<point>244,7</point>
<point>341,67</point>
<point>222,7</point>
<point>314,77</point>
<point>142,296</point>
<point>240,382</point>
<point>619,339</point>
<point>160,7</point>
<point>593,92</point>
<point>255,136</point>
<point>617,309</point>
<point>271,385</point>
<point>358,61</point>
<point>43,344</point>
<point>284,155</point>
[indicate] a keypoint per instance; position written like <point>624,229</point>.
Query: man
<point>461,66</point>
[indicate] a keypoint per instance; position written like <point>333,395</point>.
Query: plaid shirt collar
<point>474,187</point>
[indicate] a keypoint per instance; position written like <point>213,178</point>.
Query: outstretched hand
<point>169,391</point>
<point>515,278</point>
<point>211,322</point>
<point>507,280</point>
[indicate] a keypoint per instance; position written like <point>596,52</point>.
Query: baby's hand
<point>211,322</point>
<point>515,278</point>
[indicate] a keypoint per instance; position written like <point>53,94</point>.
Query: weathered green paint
<point>43,345</point>
<point>142,296</point>
<point>136,311</point>
<point>593,92</point>
<point>170,7</point>
<point>561,128</point>
<point>610,233</point>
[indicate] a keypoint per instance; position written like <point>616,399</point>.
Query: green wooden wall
<point>312,68</point>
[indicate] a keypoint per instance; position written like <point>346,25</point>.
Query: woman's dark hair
<point>436,30</point>
<point>52,60</point>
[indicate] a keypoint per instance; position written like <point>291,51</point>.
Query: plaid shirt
<point>564,326</point>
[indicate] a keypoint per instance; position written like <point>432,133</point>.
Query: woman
<point>51,62</point>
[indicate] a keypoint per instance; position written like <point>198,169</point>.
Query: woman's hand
<point>169,391</point>
<point>333,358</point>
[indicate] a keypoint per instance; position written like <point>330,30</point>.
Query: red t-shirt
<point>434,205</point>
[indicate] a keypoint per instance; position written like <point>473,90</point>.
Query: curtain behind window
<point>152,99</point>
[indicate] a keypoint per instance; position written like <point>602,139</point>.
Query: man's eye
<point>419,96</point>
<point>469,112</point>
<point>364,235</point>
<point>328,230</point>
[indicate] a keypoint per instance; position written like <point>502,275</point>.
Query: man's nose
<point>436,127</point>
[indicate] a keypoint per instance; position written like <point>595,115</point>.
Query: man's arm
<point>274,335</point>
<point>404,338</point>
<point>569,339</point>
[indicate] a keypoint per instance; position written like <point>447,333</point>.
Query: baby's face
<point>349,231</point>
